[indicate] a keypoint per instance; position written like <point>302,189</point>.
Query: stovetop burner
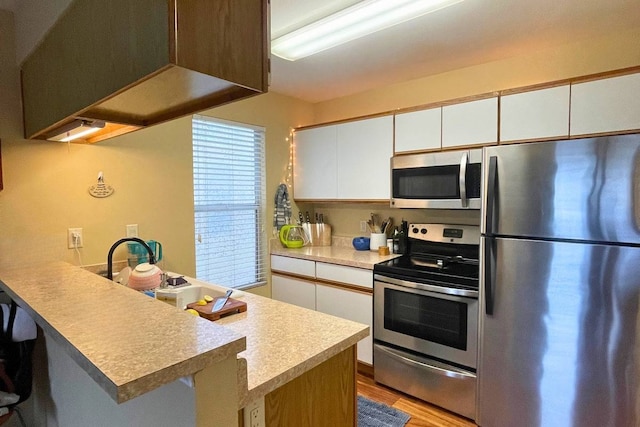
<point>438,254</point>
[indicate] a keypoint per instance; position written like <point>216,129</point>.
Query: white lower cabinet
<point>293,291</point>
<point>293,281</point>
<point>345,274</point>
<point>349,305</point>
<point>299,267</point>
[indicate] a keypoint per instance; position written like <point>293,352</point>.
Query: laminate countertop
<point>130,343</point>
<point>283,340</point>
<point>341,252</point>
<point>126,341</point>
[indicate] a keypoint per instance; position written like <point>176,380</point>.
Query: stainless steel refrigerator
<point>560,284</point>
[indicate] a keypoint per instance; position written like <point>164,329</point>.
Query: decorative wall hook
<point>101,189</point>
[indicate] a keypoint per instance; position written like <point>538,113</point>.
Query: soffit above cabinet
<point>136,64</point>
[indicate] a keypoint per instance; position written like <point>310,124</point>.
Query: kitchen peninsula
<point>117,357</point>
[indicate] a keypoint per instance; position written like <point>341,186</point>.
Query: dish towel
<point>282,209</point>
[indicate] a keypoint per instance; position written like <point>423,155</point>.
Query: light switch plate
<point>132,230</point>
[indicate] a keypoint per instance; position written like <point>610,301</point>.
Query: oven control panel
<point>446,233</point>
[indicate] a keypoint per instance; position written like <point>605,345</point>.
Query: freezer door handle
<point>463,179</point>
<point>489,260</point>
<point>491,193</point>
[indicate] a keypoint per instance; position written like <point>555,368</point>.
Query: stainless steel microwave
<point>442,180</point>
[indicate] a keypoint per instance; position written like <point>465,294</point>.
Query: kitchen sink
<point>197,289</point>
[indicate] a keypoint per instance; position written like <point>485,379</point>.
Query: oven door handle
<point>463,293</point>
<point>458,373</point>
<point>463,179</point>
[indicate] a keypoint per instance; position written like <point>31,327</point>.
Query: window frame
<point>218,139</point>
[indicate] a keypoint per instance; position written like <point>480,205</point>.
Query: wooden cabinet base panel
<point>323,396</point>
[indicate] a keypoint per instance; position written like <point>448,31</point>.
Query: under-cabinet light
<point>77,129</point>
<point>359,20</point>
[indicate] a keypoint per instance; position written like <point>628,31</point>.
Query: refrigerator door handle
<point>463,179</point>
<point>489,260</point>
<point>491,194</point>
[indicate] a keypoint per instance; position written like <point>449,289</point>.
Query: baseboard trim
<point>365,369</point>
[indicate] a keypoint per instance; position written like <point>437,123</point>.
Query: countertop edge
<point>128,387</point>
<point>334,255</point>
<point>295,371</point>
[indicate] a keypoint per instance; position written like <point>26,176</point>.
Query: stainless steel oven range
<point>425,325</point>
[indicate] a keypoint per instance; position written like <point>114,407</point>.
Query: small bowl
<point>361,243</point>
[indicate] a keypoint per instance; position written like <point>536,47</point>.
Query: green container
<point>139,254</point>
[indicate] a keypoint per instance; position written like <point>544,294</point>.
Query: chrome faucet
<point>152,257</point>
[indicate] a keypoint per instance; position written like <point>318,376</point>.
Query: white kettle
<point>145,276</point>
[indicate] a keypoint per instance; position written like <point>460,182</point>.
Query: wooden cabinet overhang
<point>138,63</point>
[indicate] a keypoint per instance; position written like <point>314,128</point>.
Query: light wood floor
<point>422,413</point>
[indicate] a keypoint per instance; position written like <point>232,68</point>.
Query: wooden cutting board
<point>231,307</point>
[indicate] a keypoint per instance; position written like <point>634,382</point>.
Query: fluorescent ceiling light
<point>77,129</point>
<point>363,18</point>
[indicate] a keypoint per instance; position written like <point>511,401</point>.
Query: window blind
<point>229,202</point>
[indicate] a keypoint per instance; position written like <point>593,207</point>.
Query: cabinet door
<point>349,305</point>
<point>301,267</point>
<point>293,291</point>
<point>314,168</point>
<point>470,123</point>
<point>344,274</point>
<point>607,105</point>
<point>418,130</point>
<point>364,150</point>
<point>538,114</point>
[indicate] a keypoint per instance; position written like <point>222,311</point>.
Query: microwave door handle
<point>463,179</point>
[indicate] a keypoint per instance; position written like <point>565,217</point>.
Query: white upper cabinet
<point>418,130</point>
<point>607,105</point>
<point>538,114</point>
<point>364,150</point>
<point>315,163</point>
<point>470,123</point>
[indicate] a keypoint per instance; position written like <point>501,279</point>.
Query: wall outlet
<point>132,230</point>
<point>363,226</point>
<point>254,414</point>
<point>74,238</point>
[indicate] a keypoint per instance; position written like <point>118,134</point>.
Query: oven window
<point>425,317</point>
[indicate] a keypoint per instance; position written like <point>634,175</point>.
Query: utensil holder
<point>319,234</point>
<point>377,240</point>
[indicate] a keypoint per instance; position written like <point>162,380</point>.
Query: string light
<point>289,173</point>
